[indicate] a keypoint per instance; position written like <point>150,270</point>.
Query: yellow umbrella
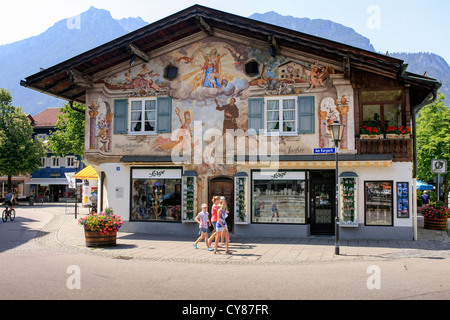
<point>87,173</point>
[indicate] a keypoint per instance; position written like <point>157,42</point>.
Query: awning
<point>423,186</point>
<point>48,181</point>
<point>87,173</point>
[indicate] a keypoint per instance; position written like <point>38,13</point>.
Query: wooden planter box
<point>96,239</point>
<point>371,137</point>
<point>435,224</point>
<point>397,136</point>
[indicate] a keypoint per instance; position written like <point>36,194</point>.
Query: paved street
<point>44,242</point>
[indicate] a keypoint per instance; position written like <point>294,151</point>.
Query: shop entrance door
<point>223,187</point>
<point>322,208</point>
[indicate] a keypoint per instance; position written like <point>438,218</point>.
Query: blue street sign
<point>325,151</point>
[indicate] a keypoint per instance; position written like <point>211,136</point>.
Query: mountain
<point>70,37</point>
<point>320,28</point>
<point>64,40</point>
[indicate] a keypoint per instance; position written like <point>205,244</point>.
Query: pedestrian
<point>222,228</point>
<point>214,209</point>
<point>202,219</point>
<point>222,199</point>
<point>425,198</point>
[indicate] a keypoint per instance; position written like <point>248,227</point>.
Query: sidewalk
<point>53,226</point>
<point>70,236</point>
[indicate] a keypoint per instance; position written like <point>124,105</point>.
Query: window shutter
<point>306,115</point>
<point>164,120</point>
<point>120,116</point>
<point>256,114</point>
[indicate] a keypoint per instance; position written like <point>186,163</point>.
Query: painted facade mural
<point>211,90</point>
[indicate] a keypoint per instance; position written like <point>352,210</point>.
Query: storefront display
<point>189,196</point>
<point>279,197</point>
<point>156,195</point>
<point>241,197</point>
<point>348,193</point>
<point>402,200</point>
<point>378,203</point>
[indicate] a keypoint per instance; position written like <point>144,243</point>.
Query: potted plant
<point>100,230</point>
<point>368,132</point>
<point>435,216</point>
<point>401,132</point>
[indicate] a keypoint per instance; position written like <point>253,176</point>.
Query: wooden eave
<point>56,81</point>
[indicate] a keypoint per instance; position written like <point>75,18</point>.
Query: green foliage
<point>433,139</point>
<point>20,153</point>
<point>68,138</point>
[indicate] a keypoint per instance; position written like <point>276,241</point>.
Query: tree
<point>68,138</point>
<point>20,153</point>
<point>433,139</point>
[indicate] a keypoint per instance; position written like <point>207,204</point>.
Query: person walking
<point>222,229</point>
<point>202,219</point>
<point>425,198</point>
<point>214,209</point>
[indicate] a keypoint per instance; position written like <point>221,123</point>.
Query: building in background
<point>49,183</point>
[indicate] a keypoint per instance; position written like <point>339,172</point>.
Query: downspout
<point>75,108</point>
<point>432,97</point>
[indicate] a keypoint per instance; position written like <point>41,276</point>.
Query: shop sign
<point>279,175</point>
<point>156,173</point>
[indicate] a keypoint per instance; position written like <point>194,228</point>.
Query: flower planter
<point>98,239</point>
<point>397,136</point>
<point>435,223</point>
<point>371,137</point>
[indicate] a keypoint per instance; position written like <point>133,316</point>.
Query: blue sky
<point>391,25</point>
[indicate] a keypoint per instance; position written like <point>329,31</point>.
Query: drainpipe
<point>75,108</point>
<point>432,97</point>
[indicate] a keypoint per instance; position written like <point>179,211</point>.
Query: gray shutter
<point>164,120</point>
<point>306,115</point>
<point>256,114</point>
<point>120,116</point>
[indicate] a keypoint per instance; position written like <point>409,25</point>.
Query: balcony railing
<point>401,149</point>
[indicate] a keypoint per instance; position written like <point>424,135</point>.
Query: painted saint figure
<point>231,114</point>
<point>211,74</point>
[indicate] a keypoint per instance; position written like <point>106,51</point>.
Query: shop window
<point>156,195</point>
<point>378,202</point>
<point>382,109</point>
<point>279,198</point>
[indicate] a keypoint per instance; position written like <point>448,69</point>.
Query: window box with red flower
<point>401,132</point>
<point>368,132</point>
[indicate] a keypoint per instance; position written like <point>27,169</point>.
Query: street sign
<point>325,151</point>
<point>439,166</point>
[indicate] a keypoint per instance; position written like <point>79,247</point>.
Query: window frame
<point>281,120</point>
<point>401,102</point>
<point>143,111</point>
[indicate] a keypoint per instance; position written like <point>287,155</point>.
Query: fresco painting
<point>212,88</point>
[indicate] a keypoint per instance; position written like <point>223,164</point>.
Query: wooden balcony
<point>401,149</point>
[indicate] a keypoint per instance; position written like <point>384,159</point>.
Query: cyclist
<point>9,200</point>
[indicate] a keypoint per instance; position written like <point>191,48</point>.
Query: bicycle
<point>8,212</point>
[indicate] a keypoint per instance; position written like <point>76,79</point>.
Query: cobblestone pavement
<point>53,227</point>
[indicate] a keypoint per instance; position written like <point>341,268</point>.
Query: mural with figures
<point>211,91</point>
